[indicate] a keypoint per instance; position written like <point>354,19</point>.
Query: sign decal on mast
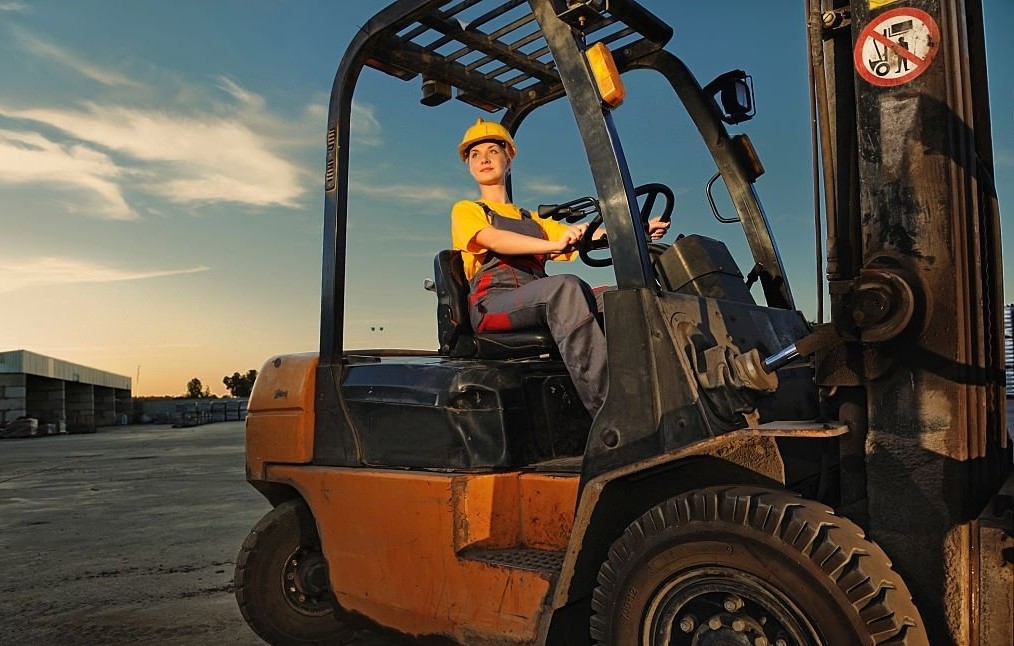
<point>897,46</point>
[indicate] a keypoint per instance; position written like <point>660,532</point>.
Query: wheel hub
<point>305,582</point>
<point>724,607</point>
<point>728,629</point>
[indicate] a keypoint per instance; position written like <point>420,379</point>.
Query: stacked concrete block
<point>105,406</point>
<point>124,406</point>
<point>45,400</point>
<point>12,398</point>
<point>80,401</point>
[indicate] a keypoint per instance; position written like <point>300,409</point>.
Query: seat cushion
<point>507,345</point>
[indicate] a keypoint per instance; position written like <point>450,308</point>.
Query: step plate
<point>546,562</point>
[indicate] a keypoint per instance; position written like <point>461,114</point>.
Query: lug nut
<point>733,604</point>
<point>738,625</point>
<point>714,623</point>
<point>761,641</point>
<point>688,623</point>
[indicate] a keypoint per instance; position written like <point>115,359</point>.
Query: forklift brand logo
<point>897,46</point>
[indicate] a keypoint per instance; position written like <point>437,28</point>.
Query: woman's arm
<point>516,244</point>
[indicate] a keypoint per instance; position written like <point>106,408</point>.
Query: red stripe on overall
<point>505,272</point>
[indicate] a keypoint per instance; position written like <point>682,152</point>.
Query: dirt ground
<point>127,536</point>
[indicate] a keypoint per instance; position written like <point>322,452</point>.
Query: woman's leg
<point>566,306</point>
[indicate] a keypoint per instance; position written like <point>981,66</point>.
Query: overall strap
<point>525,213</point>
<point>507,272</point>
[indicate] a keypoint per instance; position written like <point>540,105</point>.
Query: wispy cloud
<point>56,54</point>
<point>791,217</point>
<point>21,273</point>
<point>247,99</point>
<point>1003,157</point>
<point>200,157</point>
<point>366,128</point>
<point>13,6</point>
<point>316,112</point>
<point>546,188</point>
<point>30,158</point>
<point>406,192</point>
<point>189,146</point>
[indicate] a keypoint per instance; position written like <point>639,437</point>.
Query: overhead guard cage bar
<point>494,55</point>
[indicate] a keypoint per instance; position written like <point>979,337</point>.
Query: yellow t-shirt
<point>468,218</point>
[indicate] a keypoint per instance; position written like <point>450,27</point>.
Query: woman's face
<point>488,163</point>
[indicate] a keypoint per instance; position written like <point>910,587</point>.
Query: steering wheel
<point>652,191</point>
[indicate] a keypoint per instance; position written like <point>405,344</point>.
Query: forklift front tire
<point>282,584</point>
<point>752,566</point>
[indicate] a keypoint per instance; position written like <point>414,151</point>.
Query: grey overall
<point>514,293</point>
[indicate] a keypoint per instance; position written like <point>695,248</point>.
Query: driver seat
<point>454,328</point>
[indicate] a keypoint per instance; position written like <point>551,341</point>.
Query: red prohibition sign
<point>896,46</point>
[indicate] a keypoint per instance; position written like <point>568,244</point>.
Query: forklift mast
<point>915,282</point>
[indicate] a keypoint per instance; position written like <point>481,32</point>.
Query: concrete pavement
<point>128,536</point>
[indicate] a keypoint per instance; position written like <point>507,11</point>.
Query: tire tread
<point>275,521</point>
<point>854,564</point>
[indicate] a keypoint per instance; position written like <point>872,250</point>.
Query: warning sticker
<point>897,46</point>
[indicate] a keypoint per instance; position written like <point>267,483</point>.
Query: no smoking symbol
<point>896,46</point>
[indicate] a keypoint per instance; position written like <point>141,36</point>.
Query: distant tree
<point>240,385</point>
<point>195,389</point>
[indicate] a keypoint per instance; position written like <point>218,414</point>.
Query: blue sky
<point>161,164</point>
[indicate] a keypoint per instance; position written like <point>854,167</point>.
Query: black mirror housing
<point>734,93</point>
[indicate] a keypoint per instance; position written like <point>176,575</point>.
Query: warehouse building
<point>65,395</point>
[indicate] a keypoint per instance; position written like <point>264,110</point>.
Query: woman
<point>504,251</point>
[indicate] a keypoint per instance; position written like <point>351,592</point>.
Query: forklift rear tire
<point>744,565</point>
<point>282,584</point>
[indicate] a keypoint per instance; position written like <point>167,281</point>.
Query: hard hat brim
<point>466,146</point>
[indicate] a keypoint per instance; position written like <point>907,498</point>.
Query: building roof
<point>30,363</point>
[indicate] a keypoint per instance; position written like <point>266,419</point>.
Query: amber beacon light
<point>607,77</point>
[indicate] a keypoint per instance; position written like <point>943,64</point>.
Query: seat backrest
<point>454,329</point>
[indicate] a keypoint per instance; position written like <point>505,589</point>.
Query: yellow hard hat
<point>486,131</point>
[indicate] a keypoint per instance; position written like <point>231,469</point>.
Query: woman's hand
<point>657,228</point>
<point>570,237</point>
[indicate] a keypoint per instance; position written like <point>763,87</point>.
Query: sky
<point>161,166</point>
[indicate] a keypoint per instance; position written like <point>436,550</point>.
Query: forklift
<point>752,478</point>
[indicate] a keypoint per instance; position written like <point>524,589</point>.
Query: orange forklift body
<point>400,563</point>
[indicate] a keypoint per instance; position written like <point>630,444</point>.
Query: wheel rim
<point>305,582</point>
<point>717,606</point>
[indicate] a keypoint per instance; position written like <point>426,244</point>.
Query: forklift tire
<point>282,584</point>
<point>742,565</point>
